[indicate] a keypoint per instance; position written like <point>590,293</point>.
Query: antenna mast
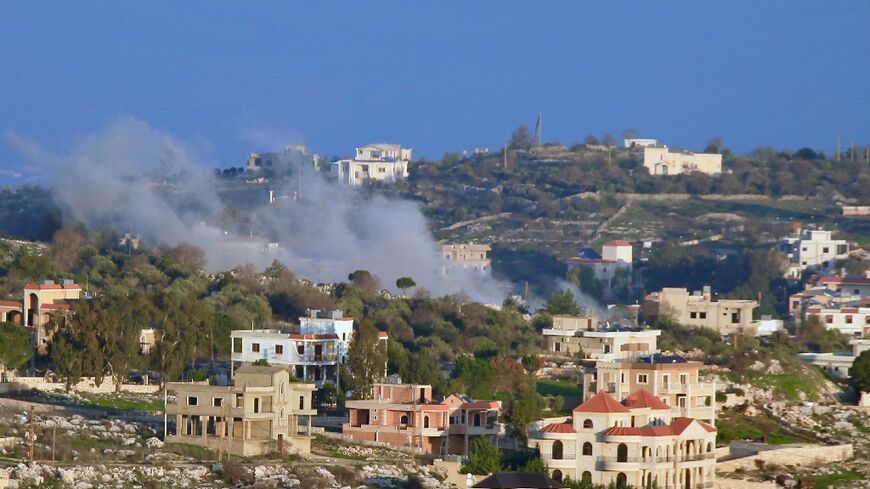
<point>539,130</point>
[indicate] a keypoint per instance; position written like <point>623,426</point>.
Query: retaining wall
<point>798,455</point>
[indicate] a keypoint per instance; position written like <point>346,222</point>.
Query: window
<point>237,345</point>
<point>217,401</point>
<point>300,348</point>
<point>867,319</point>
<point>642,379</point>
<point>301,402</point>
<point>256,404</point>
<point>825,250</point>
<point>240,400</point>
<point>255,347</point>
<point>192,401</point>
<point>587,448</point>
<point>587,423</point>
<point>848,319</point>
<point>382,170</point>
<point>702,315</point>
<point>829,319</point>
<point>693,315</point>
<point>279,349</point>
<point>684,379</point>
<point>735,317</point>
<point>666,379</point>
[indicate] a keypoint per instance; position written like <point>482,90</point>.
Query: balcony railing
<point>565,456</point>
<point>680,457</point>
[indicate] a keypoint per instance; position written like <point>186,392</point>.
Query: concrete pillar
<point>203,426</point>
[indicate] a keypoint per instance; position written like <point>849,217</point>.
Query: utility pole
<point>852,151</point>
<point>539,130</point>
<point>32,437</point>
<point>505,153</point>
<point>839,142</point>
<point>53,441</point>
<point>223,427</point>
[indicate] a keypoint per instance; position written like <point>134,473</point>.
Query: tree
<point>521,138</point>
<point>365,282</point>
<point>562,302</point>
<point>367,359</point>
<point>65,248</point>
<point>523,407</point>
<point>861,371</point>
<point>15,348</point>
<point>484,458</point>
<point>405,283</point>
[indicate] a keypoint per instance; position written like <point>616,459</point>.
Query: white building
<point>312,354</point>
<point>468,256</point>
<point>382,162</point>
<point>640,143</point>
<point>837,363</point>
<point>851,321</point>
<point>615,256</point>
<point>638,442</point>
<point>663,161</point>
<point>569,336</point>
<point>812,248</point>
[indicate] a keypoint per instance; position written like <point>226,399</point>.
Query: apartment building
<point>812,249</point>
<point>672,379</point>
<point>313,353</point>
<point>263,411</point>
<point>661,160</point>
<point>291,159</point>
<point>851,321</point>
<point>573,334</point>
<point>468,256</point>
<point>638,442</point>
<point>406,416</point>
<point>40,301</point>
<point>727,316</point>
<point>378,162</point>
<point>837,364</point>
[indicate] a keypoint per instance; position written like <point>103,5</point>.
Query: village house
<point>727,316</point>
<point>406,416</point>
<point>379,162</point>
<point>313,353</point>
<point>615,259</point>
<point>837,364</point>
<point>573,334</point>
<point>812,249</point>
<point>639,143</point>
<point>638,442</point>
<point>661,160</point>
<point>851,321</point>
<point>282,162</point>
<point>467,256</point>
<point>671,378</point>
<point>41,300</point>
<point>263,411</point>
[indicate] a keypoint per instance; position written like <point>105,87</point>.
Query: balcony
<point>619,463</point>
<point>697,389</point>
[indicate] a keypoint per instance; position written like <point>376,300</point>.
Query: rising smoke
<point>141,180</point>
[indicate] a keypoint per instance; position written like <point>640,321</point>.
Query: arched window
<point>404,419</point>
<point>586,477</point>
<point>557,450</point>
<point>426,421</point>
<point>587,423</point>
<point>282,388</point>
<point>622,453</point>
<point>587,448</point>
<point>709,447</point>
<point>557,475</point>
<point>476,419</point>
<point>621,480</point>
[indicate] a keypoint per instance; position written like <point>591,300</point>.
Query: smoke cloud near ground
<point>140,180</point>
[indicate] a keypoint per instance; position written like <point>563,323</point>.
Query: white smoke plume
<point>141,180</point>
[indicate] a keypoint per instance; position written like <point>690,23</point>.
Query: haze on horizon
<point>435,77</point>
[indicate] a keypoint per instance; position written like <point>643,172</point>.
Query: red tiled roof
<point>845,280</point>
<point>644,399</point>
<point>298,336</point>
<point>577,259</point>
<point>677,426</point>
<point>565,427</point>
<point>36,286</point>
<point>601,403</point>
<point>63,307</point>
<point>8,303</point>
<point>850,310</point>
<point>480,405</point>
<point>617,242</point>
<point>383,334</point>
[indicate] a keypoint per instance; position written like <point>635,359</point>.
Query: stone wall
<point>798,455</point>
<point>86,385</point>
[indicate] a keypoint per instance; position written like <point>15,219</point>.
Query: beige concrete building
<point>381,162</point>
<point>468,256</point>
<point>262,412</point>
<point>40,301</point>
<point>406,416</point>
<point>837,363</point>
<point>672,379</point>
<point>638,442</point>
<point>663,161</point>
<point>726,316</point>
<point>572,334</point>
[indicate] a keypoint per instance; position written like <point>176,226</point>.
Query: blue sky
<point>234,77</point>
